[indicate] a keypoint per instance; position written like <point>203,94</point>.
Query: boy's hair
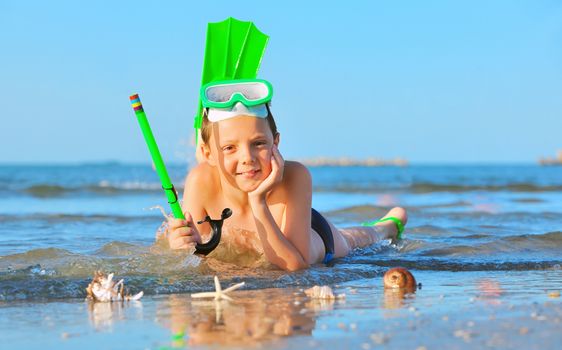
<point>206,125</point>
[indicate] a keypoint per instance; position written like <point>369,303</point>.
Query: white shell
<point>103,289</point>
<point>322,292</point>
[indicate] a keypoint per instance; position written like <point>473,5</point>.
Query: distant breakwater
<point>552,161</point>
<point>346,161</point>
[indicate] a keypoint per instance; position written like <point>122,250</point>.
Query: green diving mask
<point>229,98</point>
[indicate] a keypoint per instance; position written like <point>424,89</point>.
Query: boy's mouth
<point>249,173</point>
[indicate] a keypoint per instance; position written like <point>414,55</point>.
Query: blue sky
<point>430,81</point>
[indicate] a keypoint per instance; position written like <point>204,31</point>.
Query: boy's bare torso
<point>240,229</point>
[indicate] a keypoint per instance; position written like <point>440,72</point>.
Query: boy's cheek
<point>230,166</point>
<point>269,155</point>
<point>267,169</point>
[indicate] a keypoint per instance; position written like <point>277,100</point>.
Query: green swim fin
<point>233,50</point>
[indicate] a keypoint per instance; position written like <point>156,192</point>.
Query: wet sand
<point>453,310</point>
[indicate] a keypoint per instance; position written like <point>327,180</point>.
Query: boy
<point>242,169</point>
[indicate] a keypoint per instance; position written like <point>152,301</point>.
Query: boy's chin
<point>248,187</point>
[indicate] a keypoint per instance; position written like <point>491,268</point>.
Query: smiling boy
<point>242,169</point>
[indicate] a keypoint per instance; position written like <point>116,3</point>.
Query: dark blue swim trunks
<point>320,225</point>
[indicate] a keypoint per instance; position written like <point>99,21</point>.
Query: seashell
<point>322,292</point>
<point>104,289</point>
<point>399,278</point>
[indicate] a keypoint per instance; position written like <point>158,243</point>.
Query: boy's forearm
<point>278,249</point>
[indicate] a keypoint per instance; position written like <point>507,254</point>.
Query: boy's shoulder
<point>295,166</point>
<point>295,172</point>
<point>202,173</point>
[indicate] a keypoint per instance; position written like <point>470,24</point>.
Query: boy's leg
<point>355,237</point>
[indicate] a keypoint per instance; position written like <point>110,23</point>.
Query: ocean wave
<point>422,187</point>
<point>371,211</point>
<point>71,218</point>
<point>481,246</point>
<point>437,264</point>
<point>38,282</point>
<point>359,213</point>
<point>131,186</point>
<point>46,191</point>
<point>428,187</point>
<point>57,273</point>
<point>49,190</point>
<point>465,219</point>
<point>101,188</point>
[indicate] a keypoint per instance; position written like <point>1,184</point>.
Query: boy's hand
<point>182,233</point>
<point>276,175</point>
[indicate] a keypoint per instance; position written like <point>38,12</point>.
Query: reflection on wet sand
<point>489,290</point>
<point>394,298</point>
<point>104,314</point>
<point>253,317</point>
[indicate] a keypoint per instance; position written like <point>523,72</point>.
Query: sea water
<point>60,223</point>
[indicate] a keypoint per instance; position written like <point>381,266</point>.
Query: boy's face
<point>241,148</point>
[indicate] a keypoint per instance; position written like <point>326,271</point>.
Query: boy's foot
<point>390,226</point>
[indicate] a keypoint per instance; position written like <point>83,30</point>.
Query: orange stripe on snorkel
<point>136,103</point>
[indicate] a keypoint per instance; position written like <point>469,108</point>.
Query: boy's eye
<point>260,143</point>
<point>228,148</point>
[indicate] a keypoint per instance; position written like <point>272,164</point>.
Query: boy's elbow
<point>296,266</point>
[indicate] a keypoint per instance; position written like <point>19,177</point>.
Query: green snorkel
<point>171,194</point>
<point>233,50</point>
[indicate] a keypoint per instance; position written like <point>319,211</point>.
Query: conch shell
<point>104,289</point>
<point>399,278</point>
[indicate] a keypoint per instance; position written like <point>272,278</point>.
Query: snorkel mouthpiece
<point>216,226</point>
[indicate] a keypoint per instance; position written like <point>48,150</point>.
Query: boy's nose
<point>246,155</point>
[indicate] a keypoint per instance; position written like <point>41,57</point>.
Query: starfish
<point>218,294</point>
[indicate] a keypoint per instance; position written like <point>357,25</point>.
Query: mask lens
<point>248,92</point>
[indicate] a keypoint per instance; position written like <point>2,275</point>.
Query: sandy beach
<point>452,310</point>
